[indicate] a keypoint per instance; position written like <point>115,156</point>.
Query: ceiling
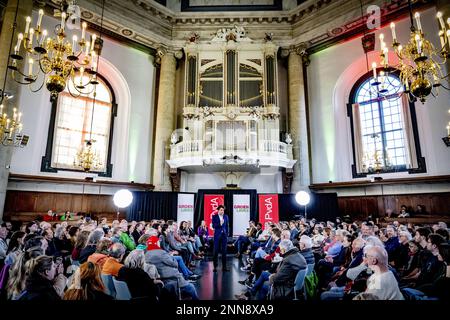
<point>169,23</point>
<point>229,5</point>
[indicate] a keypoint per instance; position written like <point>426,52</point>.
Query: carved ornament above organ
<point>236,34</point>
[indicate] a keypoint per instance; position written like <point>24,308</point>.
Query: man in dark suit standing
<point>220,226</point>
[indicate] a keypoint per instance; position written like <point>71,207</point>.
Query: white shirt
<point>221,219</point>
<point>3,249</point>
<point>384,286</point>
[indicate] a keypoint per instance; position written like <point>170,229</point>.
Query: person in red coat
<point>49,216</point>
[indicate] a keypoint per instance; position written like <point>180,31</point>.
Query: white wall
<point>131,74</point>
<point>331,75</point>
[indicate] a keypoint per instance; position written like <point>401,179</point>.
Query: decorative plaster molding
<point>313,23</point>
<point>236,33</point>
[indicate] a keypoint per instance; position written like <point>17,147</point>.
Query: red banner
<point>268,208</point>
<point>212,201</point>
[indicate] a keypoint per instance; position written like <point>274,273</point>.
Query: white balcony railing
<point>195,148</point>
<point>193,153</point>
<point>186,148</point>
<point>273,146</point>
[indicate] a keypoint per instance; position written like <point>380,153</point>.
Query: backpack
<point>311,284</point>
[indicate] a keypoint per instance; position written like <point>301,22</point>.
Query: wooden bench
<point>426,219</point>
<point>25,217</point>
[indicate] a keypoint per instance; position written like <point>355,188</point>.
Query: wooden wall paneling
<point>77,203</point>
<point>90,201</point>
<point>369,207</point>
<point>63,202</point>
<point>25,201</point>
<point>409,201</point>
<point>426,200</point>
<point>28,202</point>
<point>381,209</point>
<point>353,207</point>
<point>399,201</point>
<point>105,204</point>
<point>85,204</point>
<point>110,207</point>
<point>44,202</point>
<point>100,204</point>
<point>440,203</point>
<point>360,207</point>
<point>342,204</point>
<point>10,202</point>
<point>389,202</point>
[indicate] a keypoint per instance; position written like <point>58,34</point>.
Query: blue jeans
<point>262,293</point>
<point>260,282</point>
<point>198,243</point>
<point>335,293</point>
<point>182,267</point>
<point>241,241</point>
<point>260,253</point>
<point>190,247</point>
<point>190,290</point>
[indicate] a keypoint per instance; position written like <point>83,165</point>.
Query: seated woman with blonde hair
<point>87,284</point>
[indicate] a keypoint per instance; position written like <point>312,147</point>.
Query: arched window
<point>70,127</point>
<point>384,128</point>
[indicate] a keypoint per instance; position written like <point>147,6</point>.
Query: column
<point>298,122</point>
<point>165,122</point>
<point>24,10</point>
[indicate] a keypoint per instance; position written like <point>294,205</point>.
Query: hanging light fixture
<point>419,61</point>
<point>54,60</point>
<point>87,158</point>
<point>11,126</point>
<point>11,129</point>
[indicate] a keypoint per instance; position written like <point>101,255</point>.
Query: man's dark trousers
<point>220,245</point>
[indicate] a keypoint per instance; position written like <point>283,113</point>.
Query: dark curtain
<point>148,205</point>
<point>228,199</point>
<point>323,207</point>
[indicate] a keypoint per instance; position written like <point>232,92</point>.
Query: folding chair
<point>109,284</point>
<point>310,269</point>
<point>122,291</point>
<point>299,281</point>
<point>298,284</point>
<point>170,282</point>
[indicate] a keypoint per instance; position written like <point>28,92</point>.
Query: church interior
<point>320,127</point>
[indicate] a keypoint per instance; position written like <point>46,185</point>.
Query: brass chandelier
<point>11,125</point>
<point>11,129</point>
<point>54,60</point>
<point>419,62</point>
<point>87,159</point>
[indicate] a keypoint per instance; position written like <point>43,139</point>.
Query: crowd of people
<point>345,260</point>
<point>62,261</point>
<point>338,260</point>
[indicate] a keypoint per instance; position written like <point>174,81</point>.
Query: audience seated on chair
<point>168,267</point>
<point>139,282</point>
<point>343,259</point>
<point>113,263</point>
<point>87,284</point>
